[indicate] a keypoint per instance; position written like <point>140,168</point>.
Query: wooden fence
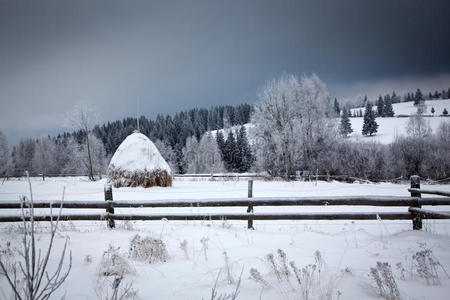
<point>415,212</point>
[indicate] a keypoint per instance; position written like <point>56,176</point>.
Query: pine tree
<point>221,143</point>
<point>345,126</point>
<point>418,97</point>
<point>388,109</point>
<point>380,106</point>
<point>436,95</point>
<point>230,152</point>
<point>395,98</point>
<point>244,151</point>
<point>337,109</point>
<point>445,112</point>
<point>370,125</point>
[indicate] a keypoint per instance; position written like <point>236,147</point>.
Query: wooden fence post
<point>250,207</point>
<point>417,219</point>
<point>109,208</point>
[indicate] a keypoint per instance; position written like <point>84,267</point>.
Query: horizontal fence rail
<point>226,216</point>
<point>415,212</point>
<point>229,202</point>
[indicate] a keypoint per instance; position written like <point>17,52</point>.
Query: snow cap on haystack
<point>137,162</point>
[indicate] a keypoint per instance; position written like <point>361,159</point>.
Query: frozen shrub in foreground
<point>183,247</point>
<point>256,276</point>
<point>384,280</point>
<point>114,264</point>
<point>313,280</point>
<point>423,265</point>
<point>115,288</point>
<point>148,249</point>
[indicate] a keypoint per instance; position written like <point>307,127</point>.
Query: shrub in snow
<point>114,264</point>
<point>225,296</point>
<point>148,249</point>
<point>313,281</point>
<point>115,288</point>
<point>385,282</point>
<point>204,242</point>
<point>256,276</point>
<point>137,162</point>
<point>423,265</point>
<point>183,247</point>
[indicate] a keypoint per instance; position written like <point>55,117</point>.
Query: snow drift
<point>137,162</point>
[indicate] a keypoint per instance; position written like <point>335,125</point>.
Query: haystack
<point>137,162</point>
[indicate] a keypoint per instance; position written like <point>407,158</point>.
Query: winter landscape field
<point>224,150</point>
<point>202,255</point>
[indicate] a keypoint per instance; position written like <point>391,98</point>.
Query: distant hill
<point>408,108</point>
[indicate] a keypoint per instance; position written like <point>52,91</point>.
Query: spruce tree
<point>433,110</point>
<point>244,151</point>
<point>380,106</point>
<point>388,109</point>
<point>418,97</point>
<point>221,143</point>
<point>345,127</point>
<point>445,112</point>
<point>337,109</point>
<point>230,152</point>
<point>370,125</point>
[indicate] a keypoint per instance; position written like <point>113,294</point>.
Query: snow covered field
<point>389,128</point>
<point>349,249</point>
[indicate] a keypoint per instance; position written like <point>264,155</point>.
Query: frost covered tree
<point>78,160</point>
<point>23,157</point>
<point>202,157</point>
<point>292,124</point>
<point>168,154</point>
<point>370,125</point>
<point>345,127</point>
<point>190,155</point>
<point>5,156</point>
<point>82,117</point>
<point>417,126</point>
<point>45,155</point>
<point>210,154</point>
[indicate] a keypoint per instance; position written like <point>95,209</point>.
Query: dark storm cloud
<point>179,54</point>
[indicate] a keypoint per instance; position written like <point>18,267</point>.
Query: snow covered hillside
<point>201,251</point>
<point>388,128</point>
<point>408,108</point>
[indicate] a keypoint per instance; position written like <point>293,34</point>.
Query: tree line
<point>88,149</point>
<point>293,127</point>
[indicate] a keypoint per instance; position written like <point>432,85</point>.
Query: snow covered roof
<point>138,153</point>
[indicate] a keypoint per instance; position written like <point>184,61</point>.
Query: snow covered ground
<point>349,249</point>
<point>389,128</point>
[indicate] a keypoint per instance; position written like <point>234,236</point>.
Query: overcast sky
<point>174,55</point>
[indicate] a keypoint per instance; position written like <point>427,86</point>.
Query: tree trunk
<point>91,173</point>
